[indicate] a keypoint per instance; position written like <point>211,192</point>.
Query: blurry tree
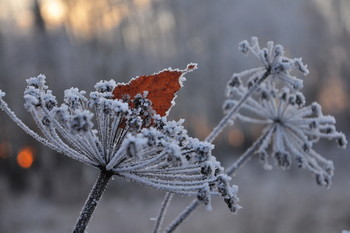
<point>332,64</point>
<point>39,23</point>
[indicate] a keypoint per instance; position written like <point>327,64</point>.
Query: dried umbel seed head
<point>130,140</point>
<point>292,128</point>
<point>275,64</point>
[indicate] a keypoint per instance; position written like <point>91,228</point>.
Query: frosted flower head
<point>274,64</point>
<point>291,128</point>
<point>126,139</point>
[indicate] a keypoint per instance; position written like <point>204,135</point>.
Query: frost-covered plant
<point>274,64</point>
<point>130,140</point>
<point>291,127</point>
<point>275,67</point>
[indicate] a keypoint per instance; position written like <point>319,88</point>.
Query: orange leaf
<point>161,88</point>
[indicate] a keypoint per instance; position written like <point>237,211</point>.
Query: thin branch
<point>166,202</point>
<point>182,216</point>
<point>92,201</point>
<point>69,152</point>
<point>228,117</point>
<point>245,157</point>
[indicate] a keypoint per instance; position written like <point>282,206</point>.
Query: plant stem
<point>211,137</point>
<point>166,202</point>
<point>245,157</point>
<point>182,216</point>
<point>92,201</point>
<point>226,120</point>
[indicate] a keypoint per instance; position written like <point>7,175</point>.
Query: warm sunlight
<point>16,12</point>
<point>53,12</point>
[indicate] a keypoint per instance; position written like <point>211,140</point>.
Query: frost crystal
<point>2,94</point>
<point>291,127</point>
<point>131,142</point>
<point>275,64</point>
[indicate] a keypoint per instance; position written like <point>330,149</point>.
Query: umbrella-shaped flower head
<point>292,128</point>
<point>125,137</point>
<point>275,65</point>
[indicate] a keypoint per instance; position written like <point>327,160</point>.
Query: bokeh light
<point>25,157</point>
<point>53,12</point>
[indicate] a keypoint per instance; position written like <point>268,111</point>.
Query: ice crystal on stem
<point>291,127</point>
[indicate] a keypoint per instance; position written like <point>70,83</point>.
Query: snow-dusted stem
<point>230,171</point>
<point>162,212</point>
<point>244,158</point>
<point>92,201</point>
<point>226,120</point>
<point>182,216</point>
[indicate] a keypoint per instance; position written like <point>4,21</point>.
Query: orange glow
<point>235,137</point>
<point>25,157</point>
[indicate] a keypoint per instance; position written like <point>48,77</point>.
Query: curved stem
<point>211,137</point>
<point>92,201</point>
<point>70,153</point>
<point>226,120</point>
<point>245,157</point>
<point>166,202</point>
<point>182,216</point>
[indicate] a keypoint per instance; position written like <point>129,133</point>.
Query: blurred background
<point>79,42</point>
